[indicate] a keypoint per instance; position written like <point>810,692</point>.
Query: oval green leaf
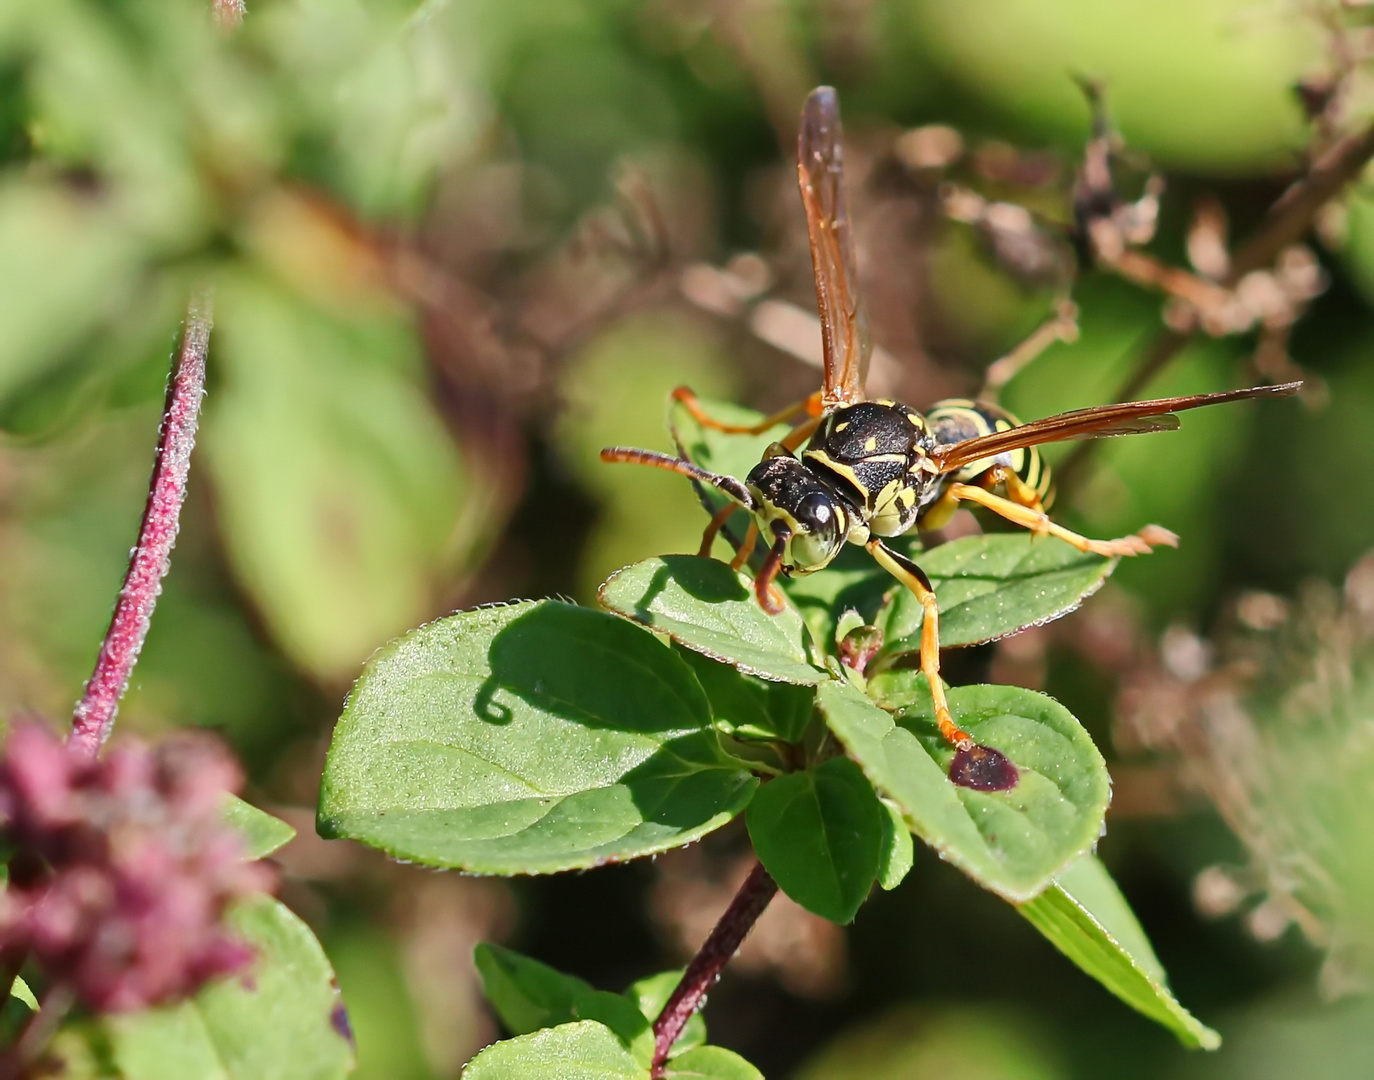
<point>1012,842</point>
<point>819,832</point>
<point>1084,916</point>
<point>711,1063</point>
<point>525,994</point>
<point>994,585</point>
<point>342,501</point>
<point>530,738</point>
<point>283,1021</point>
<point>262,833</point>
<point>711,609</point>
<point>586,1050</point>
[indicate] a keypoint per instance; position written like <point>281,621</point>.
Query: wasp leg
<point>770,599</point>
<point>1038,522</point>
<point>938,514</point>
<point>746,548</point>
<point>914,578</point>
<point>1018,491</point>
<point>811,406</point>
<point>724,514</point>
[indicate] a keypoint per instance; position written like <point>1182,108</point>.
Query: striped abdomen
<point>957,419</point>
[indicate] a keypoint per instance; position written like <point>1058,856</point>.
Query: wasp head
<point>797,509</point>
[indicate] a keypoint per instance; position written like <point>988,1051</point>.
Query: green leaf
<point>709,608</point>
<point>711,1063</point>
<point>651,994</point>
<point>586,1050</point>
<point>530,738</point>
<point>623,1017</point>
<point>991,586</point>
<point>20,989</point>
<point>1013,842</point>
<point>525,994</point>
<point>820,834</point>
<point>1085,917</point>
<point>898,853</point>
<point>528,996</point>
<point>283,1021</point>
<point>67,264</point>
<point>748,707</point>
<point>262,833</point>
<point>342,500</point>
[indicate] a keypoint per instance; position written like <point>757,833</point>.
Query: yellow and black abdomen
<point>957,419</point>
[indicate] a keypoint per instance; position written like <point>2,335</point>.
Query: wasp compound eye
<point>818,536</point>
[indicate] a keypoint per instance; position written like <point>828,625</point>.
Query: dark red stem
<point>95,712</point>
<point>706,966</point>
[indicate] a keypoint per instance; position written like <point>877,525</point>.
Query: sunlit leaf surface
<point>529,738</point>
<point>1012,842</point>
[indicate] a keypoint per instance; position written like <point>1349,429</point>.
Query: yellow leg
<point>1018,491</point>
<point>1038,522</point>
<point>811,406</point>
<point>914,578</point>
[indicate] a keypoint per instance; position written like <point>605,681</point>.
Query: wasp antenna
<point>726,485</point>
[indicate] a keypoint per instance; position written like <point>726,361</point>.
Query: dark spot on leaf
<point>338,1020</point>
<point>983,769</point>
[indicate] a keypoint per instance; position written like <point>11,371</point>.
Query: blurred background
<point>459,246</point>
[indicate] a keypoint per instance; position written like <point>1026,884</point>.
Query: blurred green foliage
<point>352,173</point>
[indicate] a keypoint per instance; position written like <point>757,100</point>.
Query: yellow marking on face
<point>914,418</point>
<point>907,497</point>
<point>871,443</point>
<point>842,425</point>
<point>897,458</point>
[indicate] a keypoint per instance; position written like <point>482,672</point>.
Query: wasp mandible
<point>872,470</point>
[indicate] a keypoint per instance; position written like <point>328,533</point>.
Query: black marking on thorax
<point>864,448</point>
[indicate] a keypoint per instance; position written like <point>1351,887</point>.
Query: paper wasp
<point>878,469</point>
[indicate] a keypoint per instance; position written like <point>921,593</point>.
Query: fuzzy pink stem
<point>229,13</point>
<point>701,974</point>
<point>95,712</point>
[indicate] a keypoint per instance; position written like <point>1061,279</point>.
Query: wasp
<point>854,471</point>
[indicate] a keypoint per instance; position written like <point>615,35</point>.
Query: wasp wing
<point>820,175</point>
<point>1128,418</point>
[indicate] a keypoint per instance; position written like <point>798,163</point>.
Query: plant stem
<point>229,13</point>
<point>1284,224</point>
<point>701,974</point>
<point>95,712</point>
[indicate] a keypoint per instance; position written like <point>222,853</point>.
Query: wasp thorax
<point>793,504</point>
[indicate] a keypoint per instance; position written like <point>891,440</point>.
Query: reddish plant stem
<point>148,563</point>
<point>229,13</point>
<point>701,974</point>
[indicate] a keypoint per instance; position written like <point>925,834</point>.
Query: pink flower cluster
<point>125,866</point>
